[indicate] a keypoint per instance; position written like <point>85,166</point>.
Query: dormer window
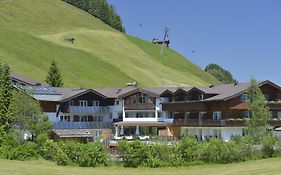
<point>244,98</point>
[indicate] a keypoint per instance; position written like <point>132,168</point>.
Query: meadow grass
<point>33,32</point>
<point>42,167</point>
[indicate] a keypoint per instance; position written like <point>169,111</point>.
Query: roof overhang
<point>137,90</point>
<point>84,92</point>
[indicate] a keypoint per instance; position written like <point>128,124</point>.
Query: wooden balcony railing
<point>87,109</point>
<point>273,105</point>
<point>208,123</point>
<point>218,123</point>
<point>145,106</point>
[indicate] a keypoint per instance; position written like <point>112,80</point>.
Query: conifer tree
<point>6,89</point>
<point>259,112</point>
<point>54,78</point>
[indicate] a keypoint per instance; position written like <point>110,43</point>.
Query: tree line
<point>100,9</point>
<point>221,74</point>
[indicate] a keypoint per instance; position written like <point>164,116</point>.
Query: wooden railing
<point>140,106</point>
<point>217,123</point>
<point>208,123</point>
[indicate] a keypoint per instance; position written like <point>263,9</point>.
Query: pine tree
<point>6,89</point>
<point>259,112</point>
<point>54,78</point>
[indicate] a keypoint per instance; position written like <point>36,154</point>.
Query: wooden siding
<point>48,106</point>
<point>148,105</point>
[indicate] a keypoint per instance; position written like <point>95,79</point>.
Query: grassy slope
<point>100,56</point>
<point>260,167</point>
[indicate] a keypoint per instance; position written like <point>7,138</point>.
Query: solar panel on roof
<point>44,90</point>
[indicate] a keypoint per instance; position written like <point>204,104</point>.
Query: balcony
<point>88,109</point>
<point>140,106</point>
<point>208,123</point>
<point>82,125</point>
<point>275,122</point>
<point>274,105</point>
<point>218,123</point>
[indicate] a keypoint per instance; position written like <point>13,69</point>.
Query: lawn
<point>268,166</point>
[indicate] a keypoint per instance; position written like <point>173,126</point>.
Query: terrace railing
<point>82,125</point>
<point>88,109</point>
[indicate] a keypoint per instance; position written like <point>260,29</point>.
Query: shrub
<point>188,149</point>
<point>86,155</point>
<point>22,152</point>
<point>218,151</point>
<point>135,153</point>
<point>268,142</point>
<point>49,150</point>
<point>61,158</point>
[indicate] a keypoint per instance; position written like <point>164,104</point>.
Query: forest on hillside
<point>100,9</point>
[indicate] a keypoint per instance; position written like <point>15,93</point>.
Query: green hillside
<point>33,32</point>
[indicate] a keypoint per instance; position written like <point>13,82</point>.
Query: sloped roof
<point>115,92</point>
<point>221,92</point>
<point>24,79</point>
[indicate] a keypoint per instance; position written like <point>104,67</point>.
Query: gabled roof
<point>229,91</point>
<point>139,90</point>
<point>221,92</point>
<point>195,89</point>
<point>69,94</point>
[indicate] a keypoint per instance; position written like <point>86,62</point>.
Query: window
<point>187,115</point>
<point>65,118</point>
<point>120,115</point>
<point>201,115</point>
<point>186,98</point>
<point>84,118</point>
<point>244,98</point>
<point>76,118</point>
<point>216,115</point>
<point>96,103</point>
<point>266,97</point>
<point>90,118</point>
<point>246,114</point>
<point>117,102</point>
<point>71,102</point>
<point>201,97</point>
<point>83,103</point>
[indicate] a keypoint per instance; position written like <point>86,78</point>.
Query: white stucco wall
<point>226,133</point>
<point>203,132</point>
<point>52,117</point>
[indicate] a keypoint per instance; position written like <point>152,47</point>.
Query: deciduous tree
<point>259,112</point>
